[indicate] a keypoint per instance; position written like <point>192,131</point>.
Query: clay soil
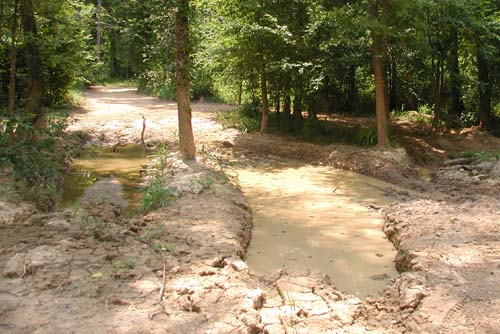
<point>181,269</point>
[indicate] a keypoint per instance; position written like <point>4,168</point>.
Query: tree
<point>186,138</point>
<point>263,76</point>
<point>34,102</point>
<point>379,55</point>
<point>13,60</point>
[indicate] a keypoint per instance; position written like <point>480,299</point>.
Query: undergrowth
<point>247,119</point>
<point>156,195</point>
<point>36,158</point>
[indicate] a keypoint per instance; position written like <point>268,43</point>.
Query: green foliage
<point>66,49</point>
<point>119,265</point>
<point>330,132</point>
<point>156,194</point>
<point>98,227</point>
<point>246,119</point>
<point>35,158</point>
<point>151,233</point>
<point>164,247</point>
<point>207,182</point>
<point>423,115</point>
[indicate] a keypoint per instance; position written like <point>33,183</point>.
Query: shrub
<point>245,119</point>
<point>35,159</point>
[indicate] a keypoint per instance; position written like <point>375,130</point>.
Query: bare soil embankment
<point>101,273</point>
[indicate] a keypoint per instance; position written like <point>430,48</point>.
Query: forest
<point>438,58</point>
<point>250,167</point>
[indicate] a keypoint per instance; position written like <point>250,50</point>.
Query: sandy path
<point>114,115</point>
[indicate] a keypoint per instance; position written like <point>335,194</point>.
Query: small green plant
<point>164,247</point>
<point>207,182</point>
<point>119,265</point>
<point>96,226</point>
<point>292,320</point>
<point>152,233</point>
<point>160,159</point>
<point>155,195</point>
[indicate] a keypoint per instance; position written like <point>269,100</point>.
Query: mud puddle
<point>318,218</point>
<point>101,174</point>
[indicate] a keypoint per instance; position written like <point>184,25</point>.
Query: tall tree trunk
<point>186,138</point>
<point>393,91</point>
<point>240,93</point>
<point>98,29</point>
<point>277,103</point>
<point>13,59</point>
<point>264,101</point>
<point>438,93</point>
<point>457,105</point>
<point>352,94</point>
<point>485,90</point>
<point>34,103</point>
<point>297,101</point>
<point>287,105</point>
<point>113,53</point>
<point>410,99</point>
<point>380,85</point>
<point>312,108</point>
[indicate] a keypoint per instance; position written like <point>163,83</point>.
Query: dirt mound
<point>454,248</point>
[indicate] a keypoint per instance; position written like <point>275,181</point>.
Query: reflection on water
<point>317,218</point>
<point>100,172</point>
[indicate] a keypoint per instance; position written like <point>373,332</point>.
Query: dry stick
<point>162,290</point>
<point>143,143</point>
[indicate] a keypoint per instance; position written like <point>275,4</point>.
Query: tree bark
<point>380,85</point>
<point>277,103</point>
<point>393,91</point>
<point>240,93</point>
<point>264,100</point>
<point>438,89</point>
<point>34,102</point>
<point>13,59</point>
<point>485,90</point>
<point>287,106</point>
<point>98,29</point>
<point>186,138</point>
<point>457,105</point>
<point>312,108</point>
<point>297,102</point>
<point>352,95</point>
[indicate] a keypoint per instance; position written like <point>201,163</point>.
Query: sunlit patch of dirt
<point>94,271</point>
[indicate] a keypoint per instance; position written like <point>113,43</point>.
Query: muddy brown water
<point>304,217</point>
<point>318,218</point>
<point>103,174</point>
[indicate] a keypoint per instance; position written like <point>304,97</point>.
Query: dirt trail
<point>114,116</point>
<point>97,272</point>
